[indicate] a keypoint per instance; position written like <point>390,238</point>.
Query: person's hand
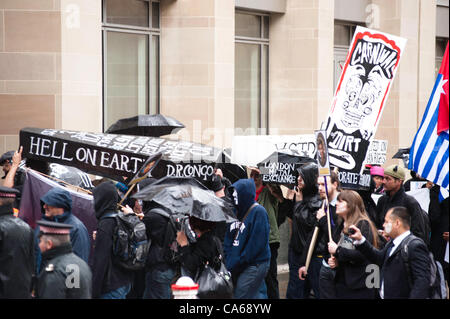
<point>94,234</point>
<point>219,172</point>
<point>182,239</point>
<point>445,236</point>
<point>302,273</point>
<point>17,157</point>
<point>275,190</point>
<point>357,235</point>
<point>127,210</point>
<point>291,194</point>
<point>332,247</point>
<point>332,262</point>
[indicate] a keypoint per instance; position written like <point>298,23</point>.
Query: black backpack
<point>437,281</point>
<point>130,242</point>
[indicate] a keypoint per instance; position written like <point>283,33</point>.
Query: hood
<point>105,198</point>
<point>309,173</point>
<point>246,192</point>
<point>58,197</point>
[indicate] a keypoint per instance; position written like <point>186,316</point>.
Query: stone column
<point>301,64</point>
<point>197,67</point>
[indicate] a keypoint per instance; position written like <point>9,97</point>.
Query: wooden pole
<point>311,247</point>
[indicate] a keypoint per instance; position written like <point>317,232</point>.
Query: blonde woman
<point>349,263</point>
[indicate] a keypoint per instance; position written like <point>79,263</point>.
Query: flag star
<point>441,86</point>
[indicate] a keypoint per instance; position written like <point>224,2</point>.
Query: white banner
<point>251,150</point>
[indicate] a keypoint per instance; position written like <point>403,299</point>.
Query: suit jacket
<point>393,272</point>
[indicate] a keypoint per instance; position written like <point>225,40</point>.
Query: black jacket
<point>162,234</point>
<point>419,222</point>
<point>351,270</point>
<point>303,213</point>
<point>207,249</point>
<point>106,275</point>
<point>16,255</point>
<point>60,267</point>
<point>438,213</point>
<point>393,271</point>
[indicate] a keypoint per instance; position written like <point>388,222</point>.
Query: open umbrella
<point>280,168</point>
<point>146,125</point>
<point>231,171</point>
<point>187,199</point>
<point>403,154</point>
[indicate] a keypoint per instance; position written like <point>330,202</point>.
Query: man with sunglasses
<point>395,195</point>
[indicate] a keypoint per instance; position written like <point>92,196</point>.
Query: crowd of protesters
<point>336,237</point>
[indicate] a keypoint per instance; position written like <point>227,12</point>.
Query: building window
<point>441,44</point>
<point>131,34</point>
<point>251,72</point>
<point>343,36</point>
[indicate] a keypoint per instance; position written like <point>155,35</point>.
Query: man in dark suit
<point>394,279</point>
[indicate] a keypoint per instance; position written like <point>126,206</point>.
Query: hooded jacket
<point>106,276</point>
<point>247,243</point>
<point>79,236</point>
<point>303,214</point>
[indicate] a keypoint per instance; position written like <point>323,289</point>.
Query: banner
<point>251,150</point>
<point>118,155</point>
<point>359,99</point>
<point>376,155</point>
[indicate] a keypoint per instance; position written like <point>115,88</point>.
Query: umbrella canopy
<point>403,154</point>
<point>280,168</point>
<point>231,171</point>
<point>187,199</point>
<point>146,125</point>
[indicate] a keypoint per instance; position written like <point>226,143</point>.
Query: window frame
<point>149,32</point>
<point>262,43</point>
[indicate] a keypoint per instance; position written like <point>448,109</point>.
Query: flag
<point>429,151</point>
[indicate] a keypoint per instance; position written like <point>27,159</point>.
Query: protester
<point>395,195</point>
<point>64,275</point>
<point>394,278</point>
<point>109,281</point>
<point>14,176</point>
<point>206,250</point>
<point>246,246</point>
<point>366,195</point>
<point>349,263</point>
<point>57,207</point>
<point>219,186</point>
<point>327,287</point>
<point>266,198</point>
<point>16,250</point>
<point>377,174</point>
<point>303,221</point>
<point>161,267</point>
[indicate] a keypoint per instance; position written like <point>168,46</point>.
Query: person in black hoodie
<point>303,216</point>
<point>108,280</point>
<point>206,250</point>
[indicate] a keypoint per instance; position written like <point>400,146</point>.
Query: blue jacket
<point>247,243</point>
<point>79,236</point>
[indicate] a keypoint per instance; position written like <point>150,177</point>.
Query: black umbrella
<point>280,168</point>
<point>187,200</point>
<point>403,154</point>
<point>231,171</point>
<point>146,125</point>
<point>70,175</point>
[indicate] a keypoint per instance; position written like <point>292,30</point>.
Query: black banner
<point>118,155</point>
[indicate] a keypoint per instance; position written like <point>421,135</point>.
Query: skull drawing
<point>362,92</point>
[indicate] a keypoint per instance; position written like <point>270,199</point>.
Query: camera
<point>351,231</point>
<point>182,224</point>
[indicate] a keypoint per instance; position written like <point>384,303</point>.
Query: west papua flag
<point>430,149</point>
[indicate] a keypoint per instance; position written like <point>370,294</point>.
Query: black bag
<point>215,282</point>
<point>437,281</point>
<point>130,243</point>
